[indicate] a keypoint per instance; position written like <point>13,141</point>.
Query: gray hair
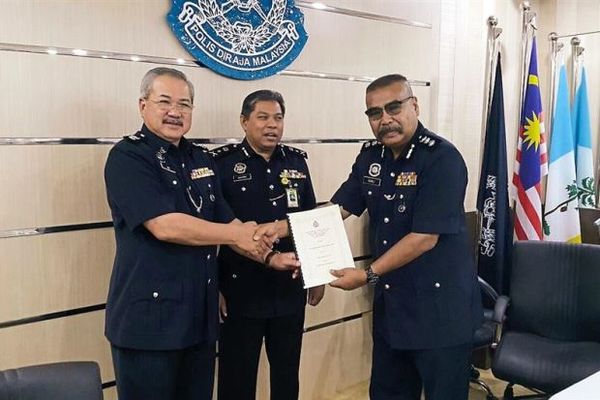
<point>148,80</point>
<point>387,80</point>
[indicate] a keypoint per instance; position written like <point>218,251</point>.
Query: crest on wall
<point>241,39</point>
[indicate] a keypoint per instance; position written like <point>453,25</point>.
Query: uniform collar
<point>249,151</point>
<point>157,142</point>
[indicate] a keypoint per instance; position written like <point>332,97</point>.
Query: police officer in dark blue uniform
<point>262,181</point>
<point>169,213</point>
<point>426,304</point>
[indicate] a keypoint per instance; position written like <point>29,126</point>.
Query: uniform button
<point>369,193</point>
<point>234,276</point>
<point>385,242</point>
<point>386,286</point>
<point>401,196</point>
<point>271,187</point>
<point>274,203</point>
<point>437,285</point>
<point>386,220</point>
<point>155,295</point>
<point>209,185</point>
<point>392,174</point>
<point>182,165</point>
<point>243,188</point>
<point>209,280</point>
<point>208,257</point>
<point>268,170</point>
<point>174,182</point>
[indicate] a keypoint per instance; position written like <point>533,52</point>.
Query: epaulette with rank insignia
<point>224,150</point>
<point>369,144</point>
<point>200,146</point>
<point>135,138</point>
<point>427,141</point>
<point>294,150</point>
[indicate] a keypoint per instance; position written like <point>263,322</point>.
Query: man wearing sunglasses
<point>427,304</point>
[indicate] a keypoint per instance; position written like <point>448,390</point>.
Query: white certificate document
<point>321,243</point>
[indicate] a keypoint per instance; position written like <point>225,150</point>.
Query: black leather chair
<point>60,381</point>
<point>486,336</point>
<point>551,336</point>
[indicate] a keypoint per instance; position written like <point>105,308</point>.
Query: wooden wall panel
<point>339,303</point>
<point>67,182</point>
<point>110,393</point>
<point>333,359</point>
<point>76,338</point>
<point>49,273</point>
<point>85,97</point>
<point>350,45</point>
<point>52,185</point>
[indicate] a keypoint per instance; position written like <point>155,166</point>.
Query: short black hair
<point>388,80</point>
<point>261,95</point>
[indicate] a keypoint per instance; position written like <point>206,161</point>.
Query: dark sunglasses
<point>392,108</point>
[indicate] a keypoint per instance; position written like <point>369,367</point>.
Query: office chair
<point>486,335</point>
<point>551,336</point>
<point>60,381</point>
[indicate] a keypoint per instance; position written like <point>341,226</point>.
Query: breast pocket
<point>371,192</point>
<point>405,202</point>
<point>201,193</point>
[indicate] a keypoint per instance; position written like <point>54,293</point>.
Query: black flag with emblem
<point>495,229</point>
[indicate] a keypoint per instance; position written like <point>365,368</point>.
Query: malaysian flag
<point>531,161</point>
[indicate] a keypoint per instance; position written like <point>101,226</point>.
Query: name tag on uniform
<point>292,198</point>
<point>242,177</point>
<point>202,173</point>
<point>407,179</point>
<point>369,180</point>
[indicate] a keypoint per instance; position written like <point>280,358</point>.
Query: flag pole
<point>576,52</point>
<point>493,34</point>
<point>556,47</point>
<point>528,21</point>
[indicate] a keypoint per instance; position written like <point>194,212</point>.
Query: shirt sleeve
<point>439,206</point>
<point>349,195</point>
<point>135,191</point>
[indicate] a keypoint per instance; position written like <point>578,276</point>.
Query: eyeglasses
<point>166,105</point>
<point>392,108</point>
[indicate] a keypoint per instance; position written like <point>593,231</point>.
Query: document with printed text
<point>321,243</point>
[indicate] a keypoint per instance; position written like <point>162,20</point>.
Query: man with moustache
<point>426,303</point>
<point>169,214</point>
<point>262,181</point>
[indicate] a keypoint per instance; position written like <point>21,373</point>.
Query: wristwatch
<point>372,277</point>
<point>269,257</point>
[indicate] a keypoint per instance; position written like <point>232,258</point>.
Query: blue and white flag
<point>584,161</point>
<point>561,215</point>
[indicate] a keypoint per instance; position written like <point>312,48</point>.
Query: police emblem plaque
<point>241,39</point>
